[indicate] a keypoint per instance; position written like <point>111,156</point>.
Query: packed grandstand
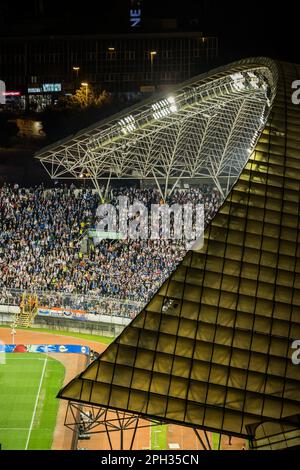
<point>40,246</point>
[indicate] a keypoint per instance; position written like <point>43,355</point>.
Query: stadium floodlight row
<point>207,127</point>
<point>212,349</point>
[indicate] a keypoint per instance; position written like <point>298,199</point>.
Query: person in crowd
<point>41,232</point>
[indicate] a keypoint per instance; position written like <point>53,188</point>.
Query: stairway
<point>28,310</point>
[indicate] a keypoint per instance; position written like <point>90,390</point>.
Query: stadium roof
<point>206,127</point>
<point>212,348</point>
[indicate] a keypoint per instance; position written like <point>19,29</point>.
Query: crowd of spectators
<point>41,232</point>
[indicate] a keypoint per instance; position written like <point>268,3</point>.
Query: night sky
<point>245,28</point>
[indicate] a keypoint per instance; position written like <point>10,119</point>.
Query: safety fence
<point>75,306</point>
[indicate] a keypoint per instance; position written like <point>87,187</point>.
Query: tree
<point>73,112</point>
<point>84,97</point>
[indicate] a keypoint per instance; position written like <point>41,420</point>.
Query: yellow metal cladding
<point>212,349</point>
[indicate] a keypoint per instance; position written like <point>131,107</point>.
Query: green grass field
<point>28,407</point>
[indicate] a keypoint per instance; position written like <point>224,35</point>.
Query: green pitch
<point>28,407</point>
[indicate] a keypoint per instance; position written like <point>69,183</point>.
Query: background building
<point>44,66</point>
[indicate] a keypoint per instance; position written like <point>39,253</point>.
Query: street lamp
<point>83,175</point>
<point>86,85</point>
<point>76,69</point>
<point>152,54</point>
<point>111,53</point>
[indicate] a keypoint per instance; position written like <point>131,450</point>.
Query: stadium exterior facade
<point>212,348</point>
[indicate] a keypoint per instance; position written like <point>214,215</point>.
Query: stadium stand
<point>41,232</point>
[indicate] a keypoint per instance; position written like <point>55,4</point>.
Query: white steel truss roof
<point>205,128</point>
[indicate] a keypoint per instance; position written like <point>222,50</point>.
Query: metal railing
<point>91,304</point>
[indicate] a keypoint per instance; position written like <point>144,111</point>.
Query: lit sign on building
<point>12,93</point>
<point>135,13</point>
<point>52,87</point>
<point>34,90</point>
<point>46,88</point>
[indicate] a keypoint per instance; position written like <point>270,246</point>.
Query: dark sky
<point>245,28</point>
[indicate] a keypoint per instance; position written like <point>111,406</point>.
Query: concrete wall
<point>6,318</point>
<point>101,327</point>
<point>78,326</point>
